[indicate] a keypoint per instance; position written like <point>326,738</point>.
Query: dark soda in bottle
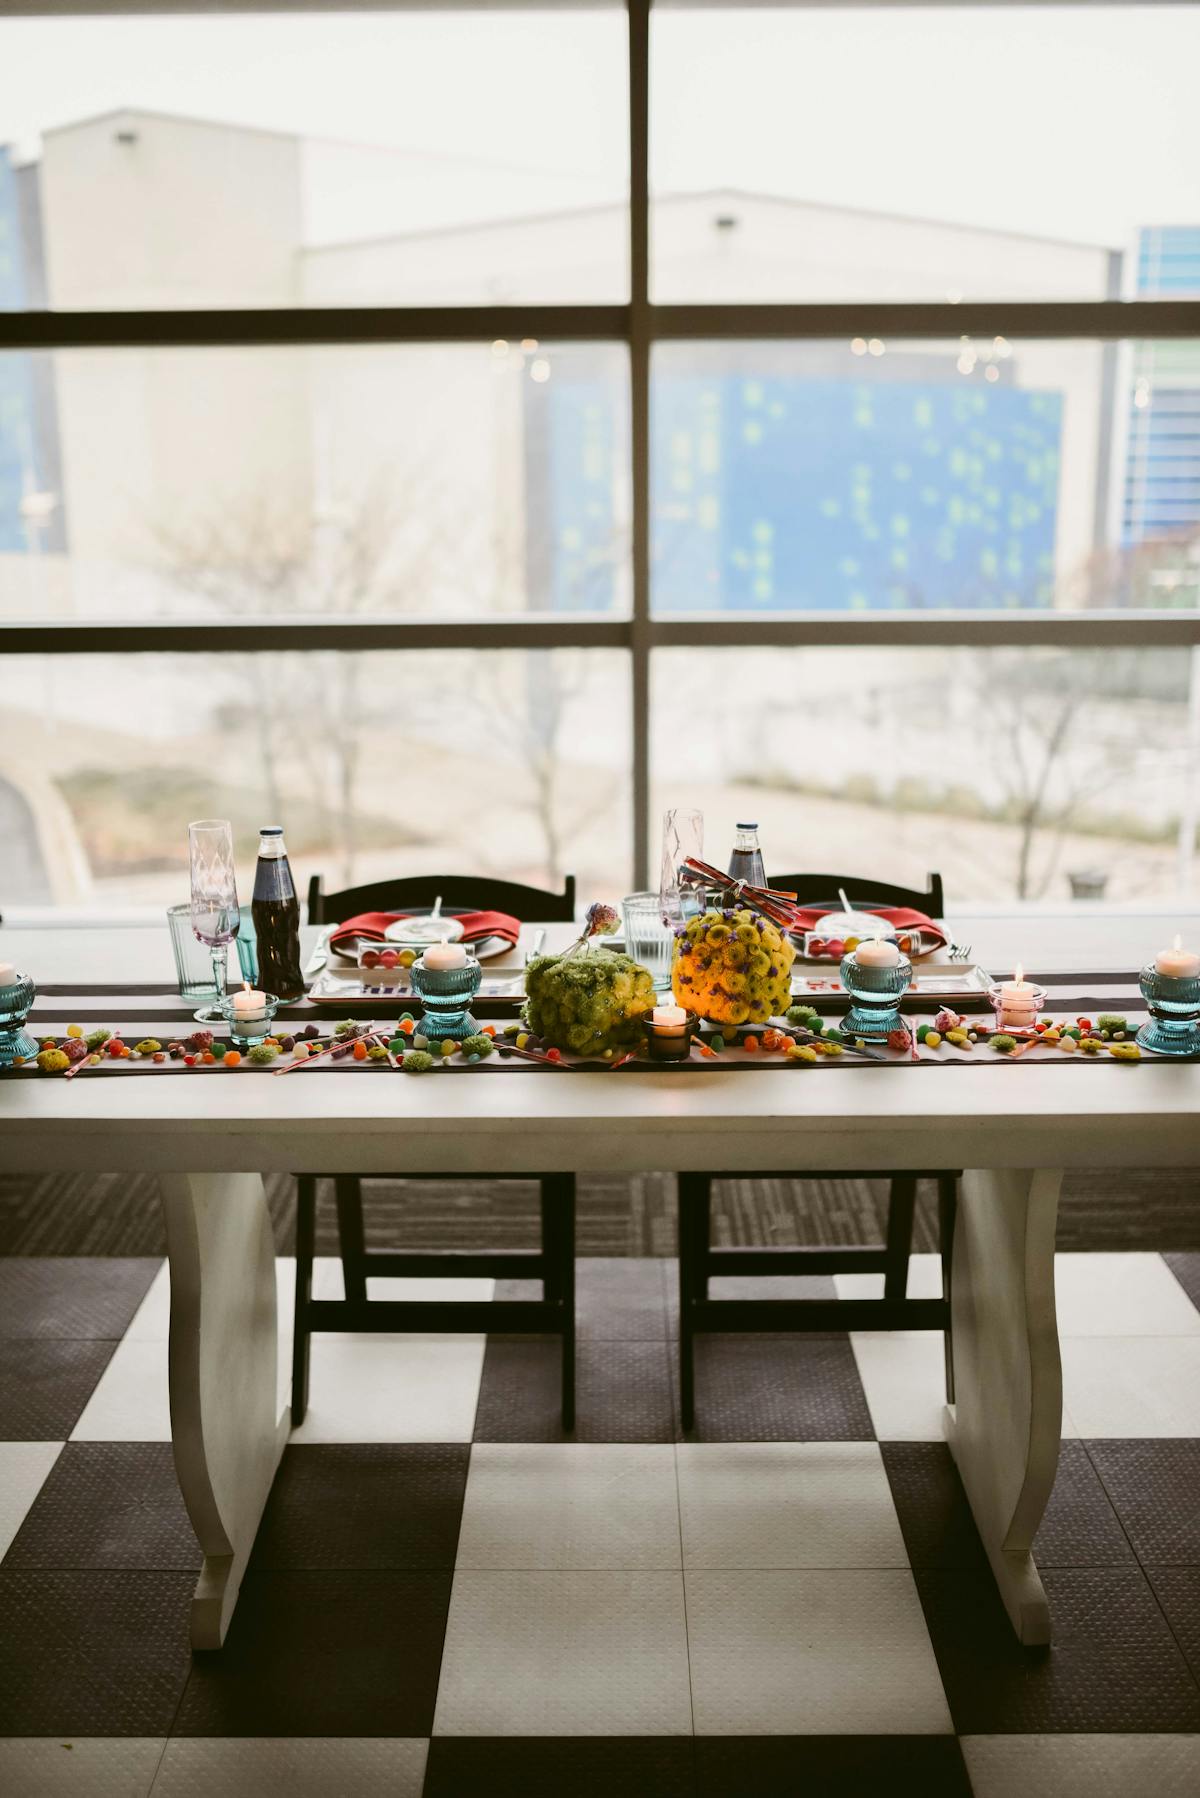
<point>275,910</point>
<point>746,862</point>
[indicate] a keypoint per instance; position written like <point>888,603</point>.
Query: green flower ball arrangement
<point>587,1003</point>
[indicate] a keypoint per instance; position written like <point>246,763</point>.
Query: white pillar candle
<point>1017,1003</point>
<point>8,974</point>
<point>877,952</point>
<point>249,1003</point>
<point>1176,963</point>
<point>669,1017</point>
<point>443,958</point>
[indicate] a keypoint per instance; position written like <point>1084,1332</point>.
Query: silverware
<point>958,951</point>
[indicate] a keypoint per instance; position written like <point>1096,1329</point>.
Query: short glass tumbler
<point>193,963</point>
<point>16,1003</point>
<point>875,995</point>
<point>446,995</point>
<point>247,946</point>
<point>1174,1007</point>
<point>649,936</point>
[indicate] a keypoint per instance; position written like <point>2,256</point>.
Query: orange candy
<point>360,1051</point>
<point>487,1030</point>
<point>750,1045</point>
<point>208,1057</point>
<point>406,1026</point>
<point>231,1057</point>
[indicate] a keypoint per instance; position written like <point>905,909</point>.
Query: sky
<point>1062,121</point>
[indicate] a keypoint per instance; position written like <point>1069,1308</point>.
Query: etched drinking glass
<point>215,916</point>
<point>682,839</point>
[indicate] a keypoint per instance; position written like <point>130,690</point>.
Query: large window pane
<point>830,152</point>
<point>327,159</point>
<point>1017,774</point>
<point>442,481</point>
<point>976,475</point>
<point>513,763</point>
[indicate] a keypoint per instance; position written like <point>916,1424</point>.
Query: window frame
<point>637,325</point>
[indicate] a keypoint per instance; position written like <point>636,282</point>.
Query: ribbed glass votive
<point>1174,1007</point>
<point>875,995</point>
<point>446,995</point>
<point>16,1003</point>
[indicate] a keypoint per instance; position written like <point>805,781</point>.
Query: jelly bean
<point>717,1043</point>
<point>360,1051</point>
<point>370,958</point>
<point>231,1058</point>
<point>388,958</point>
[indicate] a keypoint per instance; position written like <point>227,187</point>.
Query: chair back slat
<point>417,892</point>
<point>822,889</point>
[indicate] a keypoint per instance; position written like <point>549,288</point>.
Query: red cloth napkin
<point>899,916</point>
<point>371,926</point>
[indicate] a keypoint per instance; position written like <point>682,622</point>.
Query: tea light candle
<point>248,1004</point>
<point>877,952</point>
<point>8,974</point>
<point>1018,1004</point>
<point>443,958</point>
<point>671,1019</point>
<point>1176,963</point>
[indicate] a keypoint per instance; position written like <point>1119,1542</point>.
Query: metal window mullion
<point>639,426</point>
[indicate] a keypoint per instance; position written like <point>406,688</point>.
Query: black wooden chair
<point>699,1262</point>
<point>554,1261</point>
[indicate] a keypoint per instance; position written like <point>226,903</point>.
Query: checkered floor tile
<point>449,1597</point>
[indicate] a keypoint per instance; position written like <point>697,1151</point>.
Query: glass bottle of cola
<point>275,910</point>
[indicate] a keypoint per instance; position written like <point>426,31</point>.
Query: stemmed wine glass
<point>215,917</point>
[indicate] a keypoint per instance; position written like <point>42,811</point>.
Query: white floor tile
<point>328,1284</point>
<point>23,1470</point>
<point>306,1767</point>
<point>903,1376</point>
<point>1121,1295</point>
<point>787,1504</point>
<point>811,1653</point>
<point>392,1389</point>
<point>1083,1766</point>
<point>131,1402</point>
<point>924,1281</point>
<point>574,1654</point>
<point>570,1506</point>
<point>90,1766</point>
<point>1133,1385</point>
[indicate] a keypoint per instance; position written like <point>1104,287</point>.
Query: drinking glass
<point>193,968</point>
<point>650,935</point>
<point>215,916</point>
<point>682,837</point>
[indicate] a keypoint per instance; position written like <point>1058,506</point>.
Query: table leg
<point>226,1426</point>
<point>1005,1425</point>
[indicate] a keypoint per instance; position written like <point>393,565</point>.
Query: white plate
<point>414,933</point>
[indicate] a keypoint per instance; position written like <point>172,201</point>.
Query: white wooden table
<point>1012,1128</point>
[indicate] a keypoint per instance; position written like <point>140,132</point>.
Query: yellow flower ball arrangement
<point>733,967</point>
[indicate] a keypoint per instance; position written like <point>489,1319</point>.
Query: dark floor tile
<point>92,1654</point>
<point>1185,1265</point>
<point>45,1385</point>
<point>622,1392</point>
<point>1178,1592</point>
<point>549,1766</point>
<point>777,1389</point>
<point>1154,1486</point>
<point>71,1296</point>
<point>109,1504</point>
<point>1114,1665</point>
<point>323,1654</point>
<point>1080,1527</point>
<point>617,1298</point>
<point>363,1505</point>
<point>829,1767</point>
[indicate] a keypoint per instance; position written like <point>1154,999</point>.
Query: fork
<point>958,952</point>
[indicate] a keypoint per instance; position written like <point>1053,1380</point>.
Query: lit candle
<point>669,1018</point>
<point>443,958</point>
<point>877,952</point>
<point>1176,963</point>
<point>248,1005</point>
<point>1018,1004</point>
<point>8,974</point>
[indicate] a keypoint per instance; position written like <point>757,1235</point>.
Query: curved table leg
<point>226,1427</point>
<point>1005,1425</point>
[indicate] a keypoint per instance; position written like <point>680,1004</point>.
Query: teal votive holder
<point>16,1003</point>
<point>446,995</point>
<point>246,1028</point>
<point>875,995</point>
<point>1174,1007</point>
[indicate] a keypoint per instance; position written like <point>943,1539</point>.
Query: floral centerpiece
<point>733,967</point>
<point>588,1003</point>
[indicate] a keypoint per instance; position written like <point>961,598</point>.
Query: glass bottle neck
<point>271,848</point>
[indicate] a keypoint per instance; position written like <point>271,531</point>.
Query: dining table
<point>1013,1129</point>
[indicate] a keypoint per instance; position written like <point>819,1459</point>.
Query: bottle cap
<point>270,830</point>
<point>747,827</point>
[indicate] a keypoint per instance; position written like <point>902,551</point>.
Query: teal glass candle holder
<point>246,1028</point>
<point>446,995</point>
<point>1174,1007</point>
<point>875,995</point>
<point>16,1003</point>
